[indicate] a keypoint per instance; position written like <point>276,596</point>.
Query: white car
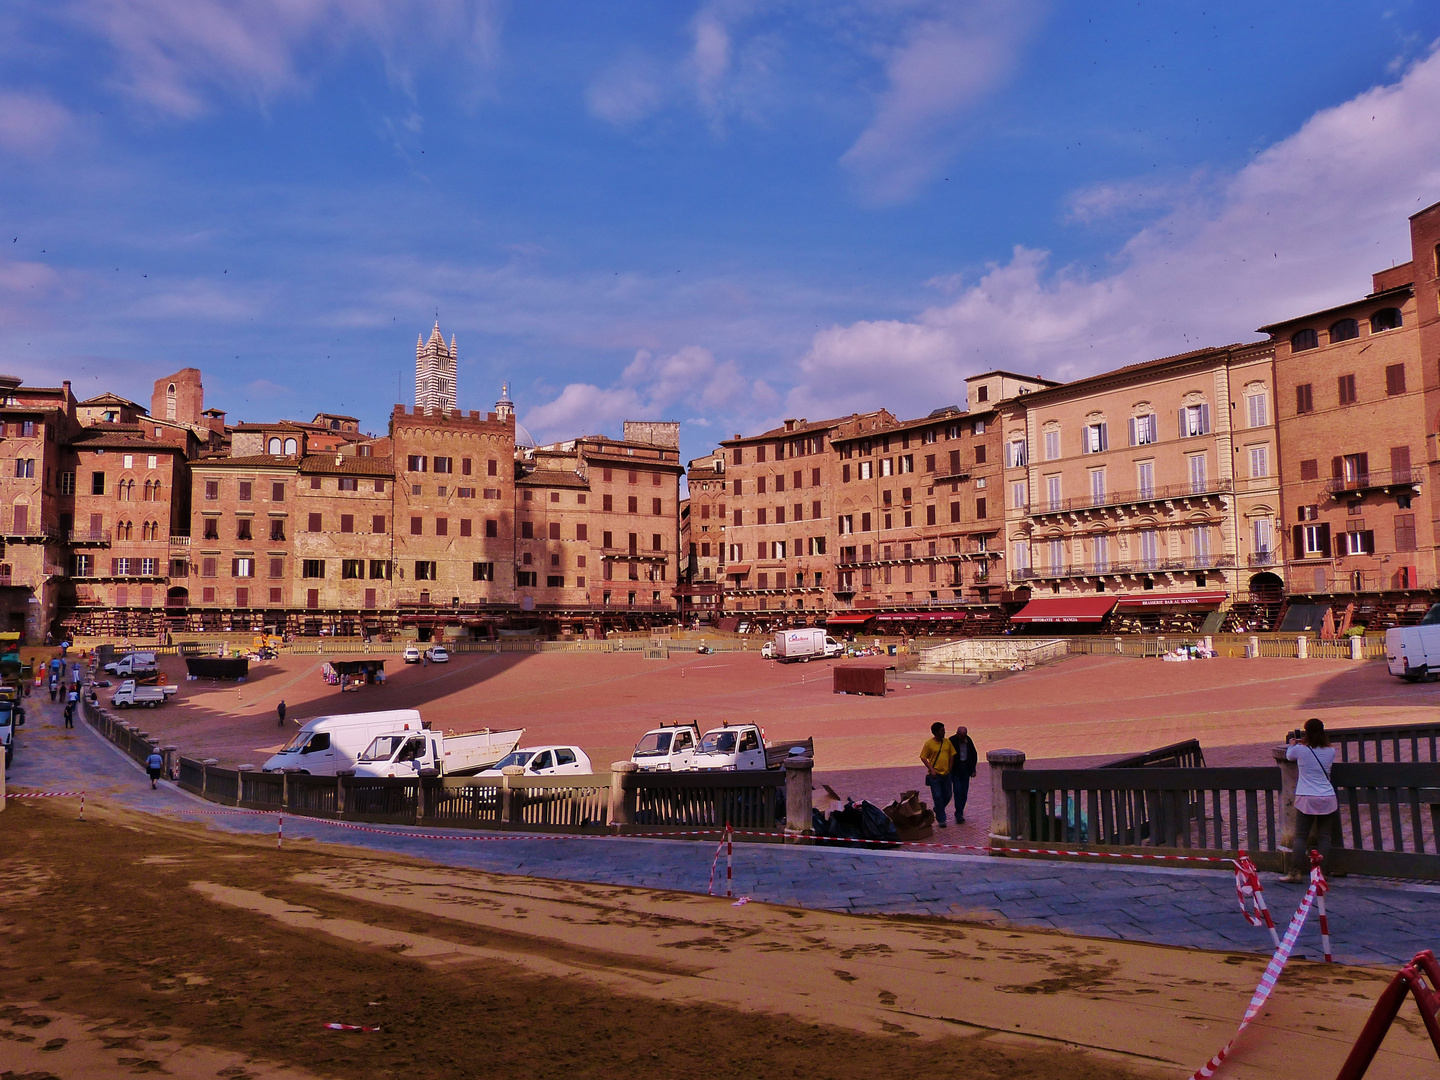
<point>545,761</point>
<point>437,654</point>
<point>767,651</point>
<point>411,655</point>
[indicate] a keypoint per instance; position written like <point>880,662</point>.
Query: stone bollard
<point>1357,648</point>
<point>1252,648</point>
<point>205,773</point>
<point>172,761</point>
<point>1119,647</point>
<point>799,816</point>
<point>512,798</point>
<point>340,776</point>
<point>622,793</point>
<point>1001,762</point>
<point>1289,776</point>
<point>422,808</point>
<point>1302,650</point>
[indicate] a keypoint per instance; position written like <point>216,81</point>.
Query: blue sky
<point>723,213</point>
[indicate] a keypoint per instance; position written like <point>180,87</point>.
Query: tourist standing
<point>936,756</point>
<point>280,714</point>
<point>962,768</point>
<point>1316,807</point>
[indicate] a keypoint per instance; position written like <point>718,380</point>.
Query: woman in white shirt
<point>1316,806</point>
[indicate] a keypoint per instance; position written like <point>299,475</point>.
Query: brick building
<point>1356,393</point>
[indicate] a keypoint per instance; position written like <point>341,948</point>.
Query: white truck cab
<point>435,753</point>
<point>132,664</point>
<point>734,748</point>
<point>668,748</point>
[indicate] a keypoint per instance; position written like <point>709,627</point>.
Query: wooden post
<point>1001,762</point>
<point>799,816</point>
<point>622,801</point>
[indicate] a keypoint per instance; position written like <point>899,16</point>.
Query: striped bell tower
<point>435,371</point>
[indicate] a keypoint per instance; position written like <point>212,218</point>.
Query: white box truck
<point>805,645</point>
<point>435,753</point>
<point>1413,652</point>
<point>325,745</point>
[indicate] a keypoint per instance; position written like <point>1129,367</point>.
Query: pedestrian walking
<point>72,702</point>
<point>936,755</point>
<point>280,714</point>
<point>962,768</point>
<point>153,765</point>
<point>54,686</point>
<point>1316,807</point>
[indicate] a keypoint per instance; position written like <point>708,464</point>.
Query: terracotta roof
<point>1384,294</point>
<point>108,398</point>
<point>552,478</point>
<point>287,425</point>
<point>119,440</point>
<point>347,465</point>
<point>247,461</point>
<point>1215,351</point>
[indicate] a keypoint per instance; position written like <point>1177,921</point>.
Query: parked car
<point>544,761</point>
<point>411,655</point>
<point>437,654</point>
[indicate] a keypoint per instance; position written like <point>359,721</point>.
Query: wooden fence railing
<point>1184,755</point>
<point>1400,742</point>
<point>1389,820</point>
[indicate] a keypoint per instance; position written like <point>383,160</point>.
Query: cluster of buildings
<point>1205,489</point>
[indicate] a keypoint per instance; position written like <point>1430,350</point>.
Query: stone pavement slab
<point>1371,921</point>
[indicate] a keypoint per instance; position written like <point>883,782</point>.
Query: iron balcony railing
<point>1112,567</point>
<point>1374,478</point>
<point>1163,493</point>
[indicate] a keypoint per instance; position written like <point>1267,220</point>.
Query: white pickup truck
<point>435,753</point>
<point>668,748</point>
<point>1412,653</point>
<point>732,748</point>
<point>132,696</point>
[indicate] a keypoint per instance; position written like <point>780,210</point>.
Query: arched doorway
<point>177,598</point>
<point>1266,587</point>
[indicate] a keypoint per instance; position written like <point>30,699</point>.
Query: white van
<point>325,745</point>
<point>1412,653</point>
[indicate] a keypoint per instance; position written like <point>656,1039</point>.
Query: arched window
<point>1304,339</point>
<point>1385,319</point>
<point>1344,330</point>
<point>156,491</point>
<point>172,388</point>
<point>274,446</point>
<point>290,447</point>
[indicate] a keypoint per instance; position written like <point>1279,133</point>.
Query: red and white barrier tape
<point>50,795</point>
<point>349,1027</point>
<point>1321,887</point>
<point>1247,883</point>
<point>1272,971</point>
<point>727,845</point>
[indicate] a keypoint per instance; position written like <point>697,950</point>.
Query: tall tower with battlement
<point>435,372</point>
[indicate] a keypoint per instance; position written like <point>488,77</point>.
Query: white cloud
<point>172,54</point>
<point>945,61</point>
<point>689,381</point>
<point>32,125</point>
<point>1298,229</point>
<point>631,89</point>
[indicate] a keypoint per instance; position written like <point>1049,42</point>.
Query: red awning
<point>1160,601</point>
<point>854,618</point>
<point>921,616</point>
<point>737,570</point>
<point>1066,609</point>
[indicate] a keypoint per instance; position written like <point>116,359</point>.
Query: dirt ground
<point>136,946</point>
<point>604,703</point>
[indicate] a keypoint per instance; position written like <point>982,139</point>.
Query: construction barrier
<point>1421,976</point>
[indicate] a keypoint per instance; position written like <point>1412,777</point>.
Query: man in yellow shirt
<point>936,755</point>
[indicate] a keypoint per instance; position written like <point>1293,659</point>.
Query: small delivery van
<point>325,745</point>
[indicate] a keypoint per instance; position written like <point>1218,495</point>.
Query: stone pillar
<point>1001,762</point>
<point>422,809</point>
<point>1302,648</point>
<point>340,777</point>
<point>1289,776</point>
<point>1357,648</point>
<point>172,762</point>
<point>512,796</point>
<point>1252,649</point>
<point>798,788</point>
<point>205,772</point>
<point>622,793</point>
<point>284,789</point>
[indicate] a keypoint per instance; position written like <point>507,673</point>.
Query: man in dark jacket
<point>962,768</point>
